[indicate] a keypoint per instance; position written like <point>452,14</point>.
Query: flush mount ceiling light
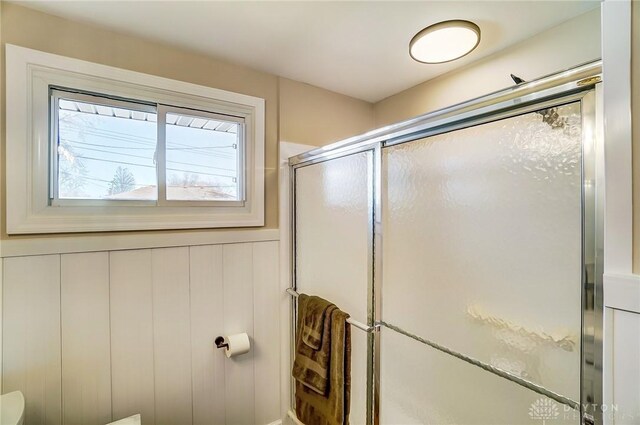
<point>444,41</point>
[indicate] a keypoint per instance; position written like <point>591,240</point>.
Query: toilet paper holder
<point>234,345</point>
<point>221,343</point>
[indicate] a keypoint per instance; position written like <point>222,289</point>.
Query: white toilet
<point>12,411</point>
<point>131,420</point>
<point>12,408</point>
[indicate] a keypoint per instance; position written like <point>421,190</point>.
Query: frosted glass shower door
<point>482,254</point>
<point>333,230</point>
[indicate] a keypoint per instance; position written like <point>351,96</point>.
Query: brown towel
<point>315,311</point>
<point>313,345</point>
<point>333,360</point>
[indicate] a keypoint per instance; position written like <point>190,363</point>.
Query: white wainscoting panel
<point>207,308</point>
<point>31,336</point>
<point>86,345</point>
<point>172,335</point>
<point>132,357</point>
<point>95,337</point>
<point>85,336</point>
<point>625,379</point>
<point>238,317</point>
<point>266,332</point>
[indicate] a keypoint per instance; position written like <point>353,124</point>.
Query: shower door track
<point>577,84</point>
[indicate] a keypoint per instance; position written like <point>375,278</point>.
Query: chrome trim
<point>591,393</point>
<point>350,320</point>
<point>292,271</point>
<point>597,370</point>
<point>516,109</point>
<point>492,369</point>
<point>536,91</point>
<point>371,337</point>
<point>330,155</point>
<point>376,292</point>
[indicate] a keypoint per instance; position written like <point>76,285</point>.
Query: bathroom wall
<point>569,44</point>
<point>301,103</point>
<point>99,326</point>
<point>296,112</point>
<point>314,116</point>
<point>98,336</point>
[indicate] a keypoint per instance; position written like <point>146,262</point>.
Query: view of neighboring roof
<point>172,119</point>
<point>175,193</point>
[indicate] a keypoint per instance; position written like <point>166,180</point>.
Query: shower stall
<point>466,245</point>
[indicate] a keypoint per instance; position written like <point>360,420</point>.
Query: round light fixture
<point>444,41</point>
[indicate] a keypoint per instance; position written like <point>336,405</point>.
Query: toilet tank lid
<point>131,420</point>
<point>11,408</point>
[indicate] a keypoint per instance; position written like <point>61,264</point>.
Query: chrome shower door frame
<point>578,84</point>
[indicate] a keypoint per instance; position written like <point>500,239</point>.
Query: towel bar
<point>352,322</point>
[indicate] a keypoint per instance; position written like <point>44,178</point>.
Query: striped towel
<point>322,374</point>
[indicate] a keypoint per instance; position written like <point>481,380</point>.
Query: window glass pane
<point>105,152</point>
<point>202,159</point>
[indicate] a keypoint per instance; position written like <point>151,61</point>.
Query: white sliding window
<point>203,157</point>
<point>102,150</point>
<point>123,152</point>
<point>96,148</point>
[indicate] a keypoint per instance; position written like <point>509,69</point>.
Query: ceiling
<point>356,48</point>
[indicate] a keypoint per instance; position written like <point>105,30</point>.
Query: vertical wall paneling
<point>238,317</point>
<point>31,335</point>
<point>132,362</point>
<point>625,335</point>
<point>207,322</point>
<point>1,316</point>
<point>172,335</point>
<point>86,347</point>
<point>266,332</point>
<point>95,337</point>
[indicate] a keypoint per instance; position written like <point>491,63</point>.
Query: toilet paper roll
<point>238,344</point>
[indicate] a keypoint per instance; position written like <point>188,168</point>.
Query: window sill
<point>67,244</point>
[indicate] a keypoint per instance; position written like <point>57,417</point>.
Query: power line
<point>140,156</point>
<point>115,132</point>
<point>130,139</point>
<point>106,146</point>
<point>152,166</point>
<point>98,132</point>
<point>126,136</point>
<point>151,148</point>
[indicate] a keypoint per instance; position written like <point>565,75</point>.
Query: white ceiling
<point>356,48</point>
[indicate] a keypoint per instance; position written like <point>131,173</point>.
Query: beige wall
<point>635,107</point>
<point>314,116</point>
<point>543,54</point>
<point>301,113</point>
<point>40,31</point>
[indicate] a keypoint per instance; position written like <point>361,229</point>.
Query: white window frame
<point>29,76</point>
